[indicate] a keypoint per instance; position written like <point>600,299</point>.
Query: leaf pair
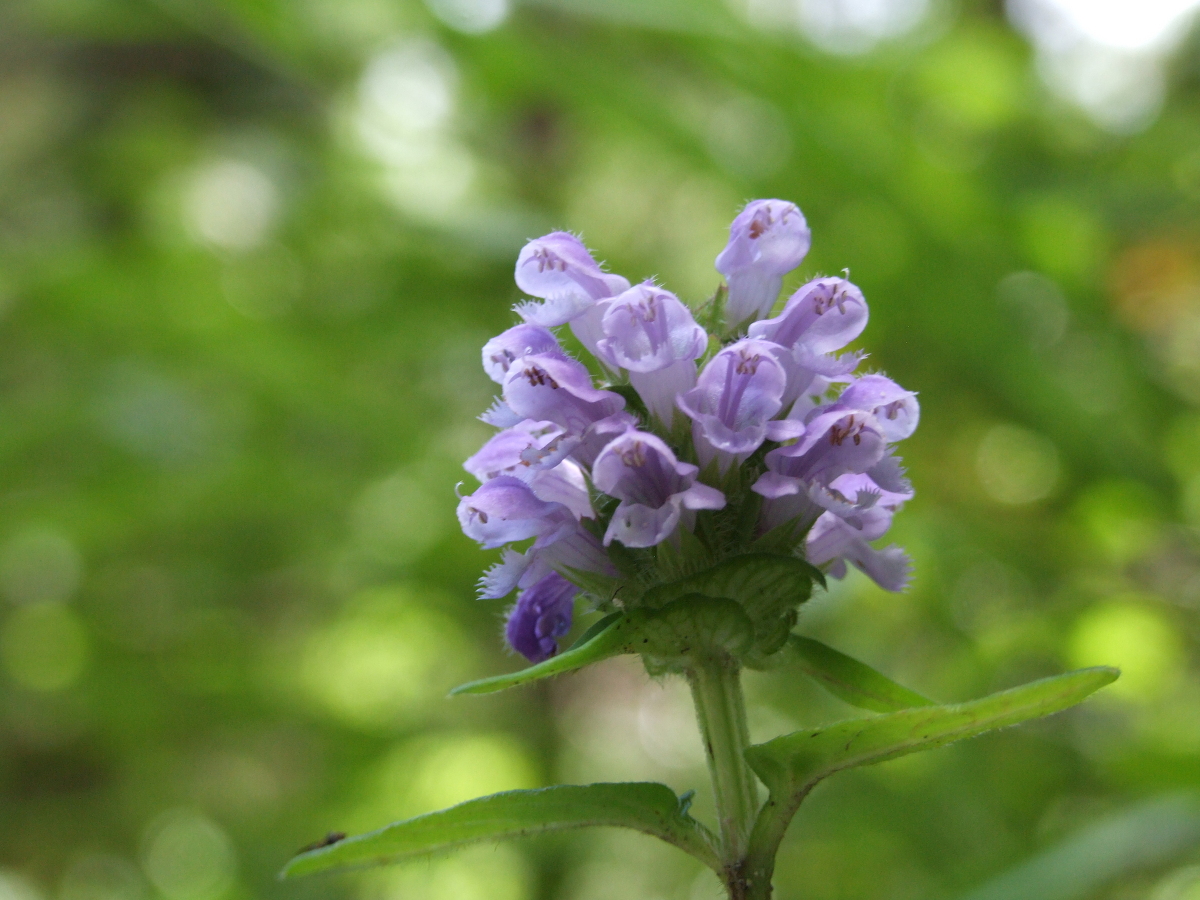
<point>790,766</point>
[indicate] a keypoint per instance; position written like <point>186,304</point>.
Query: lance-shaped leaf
<point>611,636</point>
<point>850,680</point>
<point>790,766</point>
<point>647,807</point>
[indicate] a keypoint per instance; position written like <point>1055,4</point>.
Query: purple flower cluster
<point>573,472</point>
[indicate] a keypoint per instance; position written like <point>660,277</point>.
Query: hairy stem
<point>721,713</point>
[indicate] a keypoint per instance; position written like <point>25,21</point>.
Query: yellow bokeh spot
<point>479,873</point>
<point>432,773</point>
<point>384,659</point>
<point>44,646</point>
<point>1130,633</point>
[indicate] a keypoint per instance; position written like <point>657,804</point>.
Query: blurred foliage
<point>248,252</point>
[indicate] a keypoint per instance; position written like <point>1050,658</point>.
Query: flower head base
<point>602,491</point>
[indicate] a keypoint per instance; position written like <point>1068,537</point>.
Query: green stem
<point>721,713</point>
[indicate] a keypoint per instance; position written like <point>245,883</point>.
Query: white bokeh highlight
<point>403,116</point>
<point>843,27</point>
<point>1106,56</point>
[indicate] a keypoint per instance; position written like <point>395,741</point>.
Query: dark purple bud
<point>541,616</point>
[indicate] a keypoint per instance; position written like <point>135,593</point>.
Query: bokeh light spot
<point>39,565</point>
<point>1062,239</point>
<point>1016,466</point>
<point>101,877</point>
<point>1121,519</point>
<point>1133,635</point>
<point>230,204</point>
<point>44,646</point>
<point>477,873</point>
<point>14,886</point>
<point>383,660</point>
<point>840,26</point>
<point>187,856</point>
<point>471,16</point>
<point>1038,305</point>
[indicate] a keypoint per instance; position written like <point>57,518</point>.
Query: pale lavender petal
<point>500,415</point>
<point>773,485</point>
<point>521,340</point>
<point>564,484</point>
<point>767,240</point>
<point>575,548</point>
<point>556,310</point>
<point>701,496</point>
<point>521,451</point>
<point>895,408</point>
<point>739,391</point>
<point>588,328</point>
<point>660,390</point>
<point>647,329</point>
<point>501,579</point>
<point>822,316</point>
<point>835,443</point>
<point>889,475</point>
<point>506,509</point>
<point>785,429</point>
<point>640,470</point>
<point>599,434</point>
<point>548,388</point>
<point>559,269</point>
<point>541,615</point>
<point>637,525</point>
<point>832,539</point>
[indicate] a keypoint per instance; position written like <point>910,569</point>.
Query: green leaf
<point>650,808</point>
<point>790,766</point>
<point>611,636</point>
<point>850,680</point>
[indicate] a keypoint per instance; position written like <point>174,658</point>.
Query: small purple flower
<point>550,388</point>
<point>542,614</point>
<point>767,240</point>
<point>833,444</point>
<point>520,451</point>
<point>521,340</point>
<point>653,486</point>
<point>824,315</point>
<point>895,408</point>
<point>648,332</point>
<point>732,404</point>
<point>833,540</point>
<point>796,482</point>
<point>559,269</point>
<point>647,329</point>
<point>505,509</point>
<point>821,317</point>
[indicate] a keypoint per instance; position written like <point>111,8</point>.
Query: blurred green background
<point>248,252</point>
